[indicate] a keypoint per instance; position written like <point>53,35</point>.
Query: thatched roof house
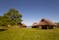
<point>23,25</point>
<point>44,23</point>
<point>34,25</point>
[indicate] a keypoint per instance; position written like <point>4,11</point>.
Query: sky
<point>33,10</point>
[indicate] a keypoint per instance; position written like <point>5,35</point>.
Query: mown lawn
<point>29,34</point>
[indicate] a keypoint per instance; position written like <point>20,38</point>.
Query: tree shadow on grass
<point>3,30</point>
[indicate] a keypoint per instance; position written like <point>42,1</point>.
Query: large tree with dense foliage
<point>11,17</point>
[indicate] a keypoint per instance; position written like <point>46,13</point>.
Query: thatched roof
<point>42,23</point>
<point>46,22</point>
<point>23,24</point>
<point>34,24</point>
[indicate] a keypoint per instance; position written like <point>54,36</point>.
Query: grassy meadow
<point>29,34</point>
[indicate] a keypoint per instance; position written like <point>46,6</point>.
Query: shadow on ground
<point>3,30</point>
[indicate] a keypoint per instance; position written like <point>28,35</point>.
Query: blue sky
<point>33,10</point>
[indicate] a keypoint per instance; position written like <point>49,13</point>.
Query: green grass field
<point>29,34</point>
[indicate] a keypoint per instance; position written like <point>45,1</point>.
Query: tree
<point>12,17</point>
